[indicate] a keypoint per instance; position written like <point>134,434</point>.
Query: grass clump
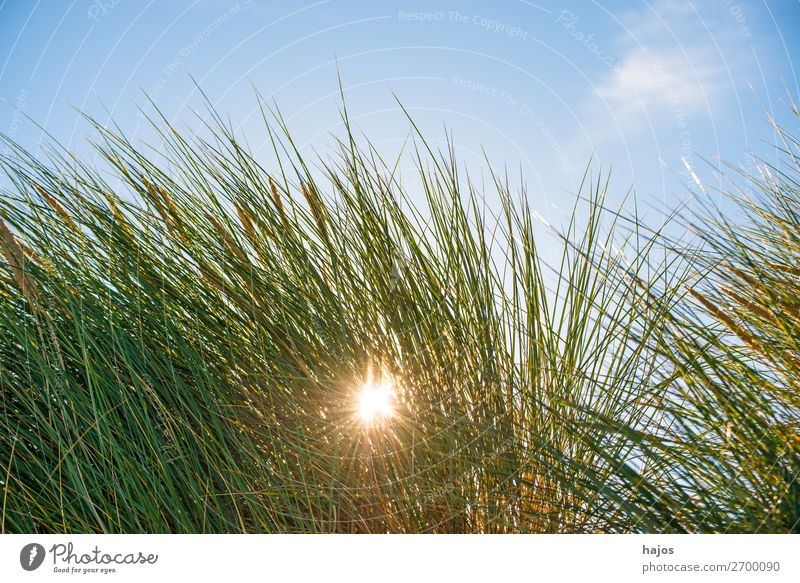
<point>184,350</point>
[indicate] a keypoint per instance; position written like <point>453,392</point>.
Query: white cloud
<point>675,61</point>
<point>657,82</point>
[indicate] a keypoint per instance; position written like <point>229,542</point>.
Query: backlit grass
<point>196,345</point>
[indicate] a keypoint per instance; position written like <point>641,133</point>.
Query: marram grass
<point>183,345</point>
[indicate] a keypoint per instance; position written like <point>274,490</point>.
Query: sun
<point>375,402</point>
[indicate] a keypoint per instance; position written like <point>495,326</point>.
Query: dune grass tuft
<point>184,342</point>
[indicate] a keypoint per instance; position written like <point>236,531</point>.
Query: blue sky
<point>656,90</point>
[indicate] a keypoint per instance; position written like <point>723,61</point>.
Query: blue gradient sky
<point>651,89</point>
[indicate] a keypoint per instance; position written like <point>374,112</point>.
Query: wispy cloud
<point>651,82</point>
<point>675,61</point>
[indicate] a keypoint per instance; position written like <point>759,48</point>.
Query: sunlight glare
<point>375,402</point>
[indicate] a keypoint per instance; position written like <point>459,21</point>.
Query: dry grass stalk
<point>731,324</point>
<point>278,200</point>
<point>15,256</point>
<point>57,207</point>
<point>246,219</point>
<point>232,246</point>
